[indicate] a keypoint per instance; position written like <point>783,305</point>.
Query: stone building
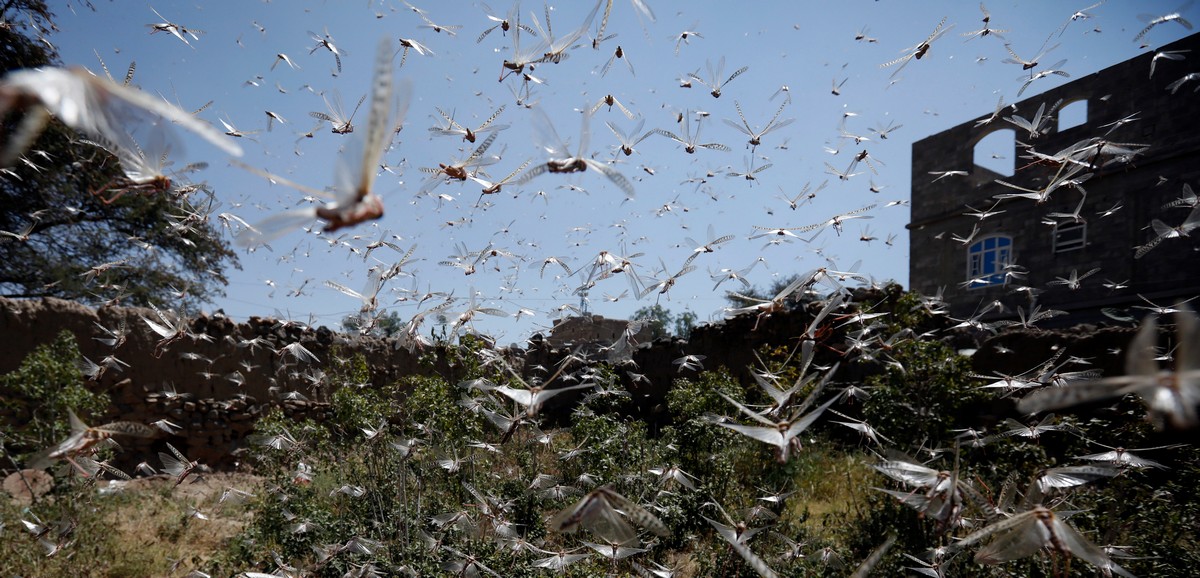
<point>1103,201</point>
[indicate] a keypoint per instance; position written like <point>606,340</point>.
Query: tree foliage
<point>739,299</point>
<point>657,318</point>
<point>385,325</point>
<point>662,323</point>
<point>37,395</point>
<point>684,323</point>
<point>73,245</point>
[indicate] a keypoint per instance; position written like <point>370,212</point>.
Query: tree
<point>385,325</point>
<point>658,318</point>
<point>67,241</point>
<point>684,324</point>
<point>739,299</point>
<point>663,324</point>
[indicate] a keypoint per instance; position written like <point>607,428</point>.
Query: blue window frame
<point>986,259</point>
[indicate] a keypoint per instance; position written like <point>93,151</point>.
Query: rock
<point>25,486</point>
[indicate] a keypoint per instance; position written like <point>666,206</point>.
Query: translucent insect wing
<point>1187,325</point>
<point>763,434</point>
<point>356,166</point>
<point>144,163</point>
<point>1083,549</point>
<point>125,106</point>
<point>596,514</point>
<point>636,513</point>
<point>803,423</point>
<point>1020,542</point>
<point>546,137</point>
<point>171,465</point>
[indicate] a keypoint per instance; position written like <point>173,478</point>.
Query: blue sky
<point>803,46</point>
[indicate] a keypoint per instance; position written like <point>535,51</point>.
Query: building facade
<point>1116,152</point>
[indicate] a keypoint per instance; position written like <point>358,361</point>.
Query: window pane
<point>986,259</point>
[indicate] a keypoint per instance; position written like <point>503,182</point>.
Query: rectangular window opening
<point>1069,237</point>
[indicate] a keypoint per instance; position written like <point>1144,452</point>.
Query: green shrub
<point>702,448</point>
<point>432,402</point>
<point>39,393</point>
<point>927,400</point>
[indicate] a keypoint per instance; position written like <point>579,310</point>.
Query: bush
<point>926,401</point>
<point>38,394</point>
<point>355,402</point>
<point>702,448</point>
<point>432,403</point>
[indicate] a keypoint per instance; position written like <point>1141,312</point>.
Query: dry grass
<point>146,529</point>
<point>832,490</point>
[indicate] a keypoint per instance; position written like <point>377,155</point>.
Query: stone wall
<point>212,365</point>
<point>591,329</point>
<point>211,430</point>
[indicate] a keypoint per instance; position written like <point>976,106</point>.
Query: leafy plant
<point>662,323</point>
<point>430,401</point>
<point>38,394</point>
<point>926,400</point>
